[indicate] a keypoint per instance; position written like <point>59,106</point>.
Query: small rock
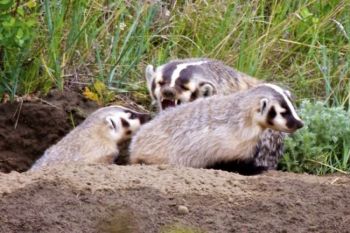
<point>162,167</point>
<point>183,209</point>
<point>136,181</point>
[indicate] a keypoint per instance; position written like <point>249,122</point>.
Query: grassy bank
<point>301,44</point>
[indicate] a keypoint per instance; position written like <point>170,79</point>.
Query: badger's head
<point>177,82</point>
<point>276,110</point>
<point>116,123</point>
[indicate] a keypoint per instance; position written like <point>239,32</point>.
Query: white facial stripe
<point>192,86</point>
<point>159,73</point>
<point>185,96</point>
<point>280,122</point>
<point>181,67</point>
<point>134,124</point>
<point>281,92</point>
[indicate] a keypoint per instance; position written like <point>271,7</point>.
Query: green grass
<point>302,44</point>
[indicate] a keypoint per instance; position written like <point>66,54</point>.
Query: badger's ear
<point>150,79</point>
<point>290,95</point>
<point>206,89</point>
<point>263,105</point>
<point>149,73</point>
<point>112,123</point>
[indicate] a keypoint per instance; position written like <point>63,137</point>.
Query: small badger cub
<point>217,129</point>
<point>95,139</point>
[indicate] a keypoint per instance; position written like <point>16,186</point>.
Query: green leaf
<point>305,13</point>
<point>19,34</point>
<point>20,11</point>
<point>6,4</point>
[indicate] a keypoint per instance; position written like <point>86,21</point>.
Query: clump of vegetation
<point>304,44</point>
<point>323,144</point>
<point>18,61</point>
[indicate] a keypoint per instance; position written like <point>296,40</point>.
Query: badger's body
<point>215,129</point>
<point>186,80</point>
<point>95,139</point>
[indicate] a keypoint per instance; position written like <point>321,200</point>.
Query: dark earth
<point>114,198</point>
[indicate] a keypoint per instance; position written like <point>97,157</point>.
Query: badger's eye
<point>132,116</point>
<point>184,87</point>
<point>285,114</point>
<point>206,93</point>
<point>161,83</point>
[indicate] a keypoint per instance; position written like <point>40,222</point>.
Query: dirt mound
<point>79,198</point>
<point>28,128</point>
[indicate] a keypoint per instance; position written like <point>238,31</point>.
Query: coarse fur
<point>212,130</point>
<point>181,81</point>
<point>95,139</point>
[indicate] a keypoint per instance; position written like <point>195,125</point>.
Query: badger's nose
<point>168,93</point>
<point>299,124</point>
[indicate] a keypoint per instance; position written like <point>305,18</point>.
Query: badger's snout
<point>294,124</point>
<point>144,117</point>
<point>299,125</point>
<point>168,93</point>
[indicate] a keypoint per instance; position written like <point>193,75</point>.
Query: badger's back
<point>195,134</point>
<point>226,79</point>
<point>80,145</point>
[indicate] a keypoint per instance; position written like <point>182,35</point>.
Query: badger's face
<point>176,83</point>
<point>122,124</point>
<point>277,111</point>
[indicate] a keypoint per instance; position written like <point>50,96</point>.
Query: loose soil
<point>28,128</point>
<point>80,198</point>
<point>133,199</point>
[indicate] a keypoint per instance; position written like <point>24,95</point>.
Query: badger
<point>96,139</point>
<point>217,129</point>
<point>181,81</point>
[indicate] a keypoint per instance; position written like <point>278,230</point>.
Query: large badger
<point>181,81</point>
<point>214,130</point>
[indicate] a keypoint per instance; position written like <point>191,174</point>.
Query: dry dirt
<point>113,198</point>
<point>133,199</point>
<point>28,128</point>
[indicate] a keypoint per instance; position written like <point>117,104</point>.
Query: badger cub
<point>95,139</point>
<point>217,129</point>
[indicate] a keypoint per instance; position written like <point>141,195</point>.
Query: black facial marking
<point>182,80</point>
<point>292,123</point>
<point>184,87</point>
<point>113,124</point>
<point>168,71</point>
<point>128,132</point>
<point>125,123</point>
<point>263,107</point>
<point>143,117</point>
<point>187,73</point>
<point>271,115</point>
<point>153,87</point>
<point>194,95</point>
